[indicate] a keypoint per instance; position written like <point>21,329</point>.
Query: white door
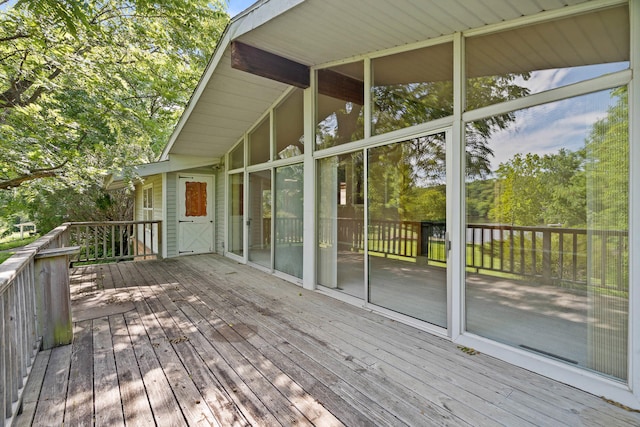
<point>195,214</point>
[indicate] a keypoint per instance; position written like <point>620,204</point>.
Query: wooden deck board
<point>286,385</point>
<point>342,364</point>
<point>50,409</point>
<point>279,405</point>
<point>106,398</point>
<point>33,388</point>
<point>135,405</point>
<point>206,341</point>
<point>79,404</point>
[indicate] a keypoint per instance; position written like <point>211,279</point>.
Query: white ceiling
<point>316,32</point>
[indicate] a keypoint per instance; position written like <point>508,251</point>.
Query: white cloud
<point>544,80</point>
<point>545,129</point>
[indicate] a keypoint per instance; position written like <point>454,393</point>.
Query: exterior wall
<point>172,208</point>
<point>172,215</point>
<point>220,210</point>
<point>158,203</point>
<point>456,331</point>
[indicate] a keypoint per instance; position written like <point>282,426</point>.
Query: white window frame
<point>147,211</point>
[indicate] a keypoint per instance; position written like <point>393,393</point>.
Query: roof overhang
<point>174,163</point>
<point>312,33</point>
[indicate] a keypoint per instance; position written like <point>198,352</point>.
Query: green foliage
<point>607,167</point>
<point>50,209</point>
<point>16,243</point>
<point>403,182</point>
<point>87,86</point>
<point>479,199</point>
<point>536,190</point>
<point>5,256</point>
<point>584,188</point>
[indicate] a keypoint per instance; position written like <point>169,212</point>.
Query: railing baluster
<point>95,242</point>
<point>21,327</point>
<point>121,237</point>
<point>104,241</point>
<point>603,258</point>
<point>12,386</point>
<point>561,255</point>
<point>534,253</point>
<point>3,363</point>
<point>482,248</point>
<point>511,246</point>
<point>85,242</point>
<point>575,257</point>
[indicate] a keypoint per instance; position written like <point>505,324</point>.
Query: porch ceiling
<point>228,102</point>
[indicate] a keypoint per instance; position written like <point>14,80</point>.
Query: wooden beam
<point>265,64</point>
<point>271,66</point>
<point>340,86</point>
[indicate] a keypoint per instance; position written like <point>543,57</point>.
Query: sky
<point>546,128</point>
<point>237,6</point>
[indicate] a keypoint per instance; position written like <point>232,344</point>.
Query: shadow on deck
<point>202,340</point>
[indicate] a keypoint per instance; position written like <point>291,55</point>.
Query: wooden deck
<point>202,340</point>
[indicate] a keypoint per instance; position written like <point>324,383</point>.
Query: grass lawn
<point>5,245</point>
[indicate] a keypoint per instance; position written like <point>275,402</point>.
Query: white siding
<point>220,210</point>
<point>172,218</point>
<point>156,181</point>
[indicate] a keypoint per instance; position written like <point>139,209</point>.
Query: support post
<point>53,296</point>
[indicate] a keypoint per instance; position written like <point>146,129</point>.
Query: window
<point>340,112</point>
<point>289,198</point>
<point>236,158</point>
<point>147,203</point>
<point>411,88</point>
<point>526,60</point>
<point>406,228</point>
<point>341,223</point>
<point>289,126</point>
<point>259,143</point>
<point>236,214</point>
<point>547,232</point>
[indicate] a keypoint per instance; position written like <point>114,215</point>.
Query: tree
<point>399,106</point>
<point>607,167</point>
<point>87,86</point>
<point>535,190</point>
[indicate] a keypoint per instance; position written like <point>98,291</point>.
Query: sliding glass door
<point>341,223</point>
<point>407,228</point>
<point>260,218</point>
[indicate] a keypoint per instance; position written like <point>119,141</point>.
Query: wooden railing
<point>35,307</point>
<point>27,318</point>
<point>116,240</point>
<point>551,254</point>
<point>288,231</point>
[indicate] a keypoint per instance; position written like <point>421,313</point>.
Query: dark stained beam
<point>265,64</point>
<point>340,86</point>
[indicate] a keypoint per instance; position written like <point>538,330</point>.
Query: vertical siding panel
<point>172,215</point>
<point>220,210</point>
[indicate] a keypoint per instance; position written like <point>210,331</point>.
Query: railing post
<point>160,253</point>
<point>53,296</point>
